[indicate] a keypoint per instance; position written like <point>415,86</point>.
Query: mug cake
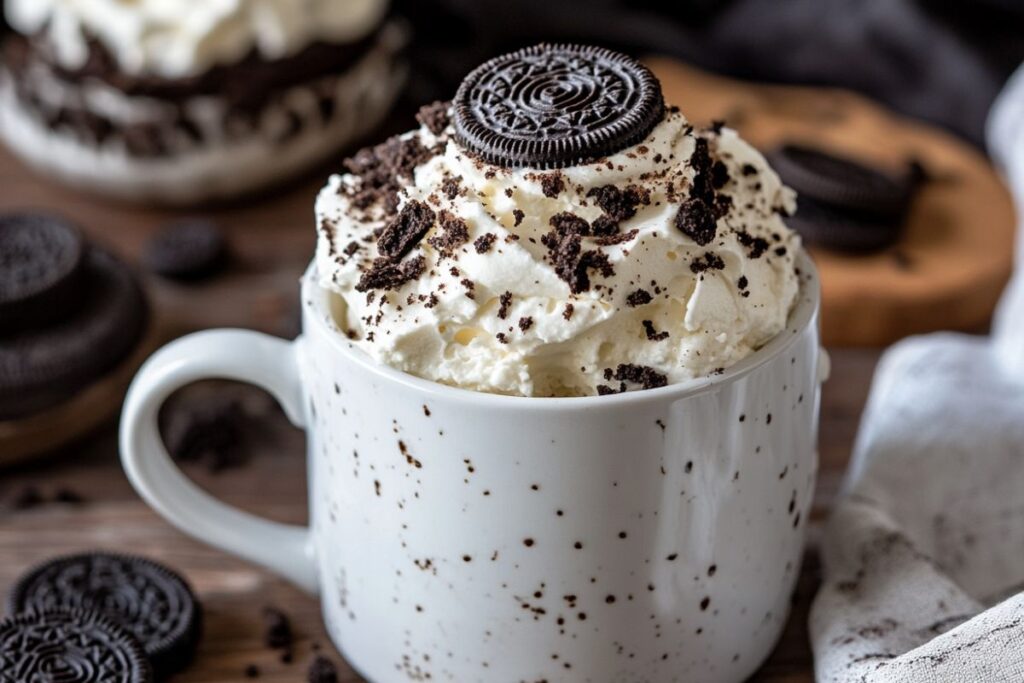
<point>181,102</point>
<point>558,230</point>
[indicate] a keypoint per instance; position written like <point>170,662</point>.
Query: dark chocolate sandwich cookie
<point>842,229</point>
<point>41,367</point>
<point>843,182</point>
<point>69,646</point>
<point>41,259</point>
<point>187,250</point>
<point>843,204</point>
<point>552,106</point>
<point>148,600</point>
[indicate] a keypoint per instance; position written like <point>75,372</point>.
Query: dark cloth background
<point>939,60</point>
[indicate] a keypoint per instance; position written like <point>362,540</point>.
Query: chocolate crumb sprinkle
<point>652,334</point>
<point>505,302</point>
<point>518,215</point>
<point>451,187</point>
<point>552,184</point>
<point>434,116</point>
<point>756,246</point>
<point>708,261</point>
<point>611,240</point>
<point>638,298</point>
<point>698,216</point>
<point>618,205</point>
<point>525,323</point>
<point>386,274</point>
<point>380,171</point>
<point>406,230</point>
<point>643,375</point>
<point>484,242</point>
<point>565,251</point>
<point>646,376</point>
<point>454,233</point>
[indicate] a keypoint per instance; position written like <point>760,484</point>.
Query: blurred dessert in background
<point>181,102</point>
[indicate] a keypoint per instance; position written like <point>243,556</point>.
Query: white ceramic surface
<point>652,536</point>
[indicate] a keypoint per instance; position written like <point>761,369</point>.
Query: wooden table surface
<point>271,240</point>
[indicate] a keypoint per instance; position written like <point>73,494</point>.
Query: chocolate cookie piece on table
<point>148,600</point>
<point>69,645</point>
<point>187,250</point>
<point>41,266</point>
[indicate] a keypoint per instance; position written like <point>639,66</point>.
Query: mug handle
<point>258,359</point>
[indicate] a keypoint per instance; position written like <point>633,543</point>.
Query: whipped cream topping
<point>666,261</point>
<point>179,38</point>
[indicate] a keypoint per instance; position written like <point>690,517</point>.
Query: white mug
<point>459,536</point>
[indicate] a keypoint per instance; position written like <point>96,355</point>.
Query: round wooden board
<point>956,253</point>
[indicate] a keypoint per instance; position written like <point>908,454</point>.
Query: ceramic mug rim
<point>804,313</point>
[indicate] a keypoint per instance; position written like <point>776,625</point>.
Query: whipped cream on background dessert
<point>491,313</point>
<point>178,38</point>
<point>184,101</point>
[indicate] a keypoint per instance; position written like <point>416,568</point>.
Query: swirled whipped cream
<point>179,38</point>
<point>664,262</point>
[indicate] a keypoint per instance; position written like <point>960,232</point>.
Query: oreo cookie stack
<point>99,617</point>
<point>843,204</point>
<point>70,313</point>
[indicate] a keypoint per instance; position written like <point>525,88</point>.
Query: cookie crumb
<point>552,184</point>
<point>434,116</point>
<point>322,670</point>
<point>638,298</point>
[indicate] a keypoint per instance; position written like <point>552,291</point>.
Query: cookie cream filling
<point>180,38</point>
<point>664,262</point>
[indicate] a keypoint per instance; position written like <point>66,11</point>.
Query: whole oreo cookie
<point>842,229</point>
<point>148,600</point>
<point>41,259</point>
<point>42,367</point>
<point>69,646</point>
<point>552,106</point>
<point>842,182</point>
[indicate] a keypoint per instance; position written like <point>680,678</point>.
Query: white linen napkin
<point>923,557</point>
